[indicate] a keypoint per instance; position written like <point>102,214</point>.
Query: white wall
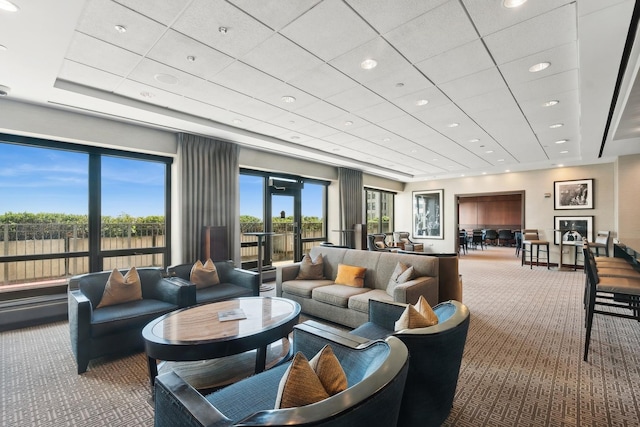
<point>539,211</point>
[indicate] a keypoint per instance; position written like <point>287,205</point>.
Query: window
<point>70,209</point>
<point>379,211</point>
<point>314,222</point>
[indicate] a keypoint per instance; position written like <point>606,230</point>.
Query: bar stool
<point>530,237</point>
<point>601,242</point>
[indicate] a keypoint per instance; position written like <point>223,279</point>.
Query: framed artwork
<point>573,229</point>
<point>427,214</point>
<point>576,194</point>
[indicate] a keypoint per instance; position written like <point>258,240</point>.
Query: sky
<point>38,180</point>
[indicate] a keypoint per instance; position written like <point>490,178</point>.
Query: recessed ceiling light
<point>564,152</point>
<point>288,99</point>
<point>556,125</point>
<point>3,47</point>
<point>461,174</point>
<point>489,151</point>
<point>399,84</point>
<point>435,160</point>
<point>223,30</point>
<point>121,29</point>
<point>8,6</point>
<point>368,64</point>
<point>295,137</point>
<point>348,123</point>
<point>386,139</point>
<point>500,160</point>
<point>335,149</point>
<point>513,3</point>
<point>237,121</point>
<point>484,173</point>
<point>146,94</point>
<point>453,125</point>
<point>508,170</point>
<point>414,151</point>
<point>166,78</point>
<point>561,141</point>
<point>560,165</point>
<point>191,58</point>
<point>539,67</point>
<point>551,103</point>
<point>474,140</point>
<point>421,102</point>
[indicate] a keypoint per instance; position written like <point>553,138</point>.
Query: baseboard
<point>32,311</point>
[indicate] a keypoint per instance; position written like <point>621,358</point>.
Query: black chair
<point>505,237</point>
<point>477,238</point>
<point>610,296</point>
<point>462,241</point>
<point>378,242</point>
<point>491,235</point>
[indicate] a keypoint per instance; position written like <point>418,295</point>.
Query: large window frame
<point>377,210</point>
<point>95,254</point>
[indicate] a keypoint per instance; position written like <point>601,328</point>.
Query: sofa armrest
<point>311,336</point>
<point>409,292</point>
<point>177,403</point>
<point>174,292</point>
<point>80,313</point>
<point>245,278</point>
<point>385,314</point>
<point>285,273</point>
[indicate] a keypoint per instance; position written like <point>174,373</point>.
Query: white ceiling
<point>468,58</point>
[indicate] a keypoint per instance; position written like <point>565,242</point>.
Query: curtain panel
<point>209,183</point>
<point>351,193</point>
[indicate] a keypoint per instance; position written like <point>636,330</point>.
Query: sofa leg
<point>82,366</point>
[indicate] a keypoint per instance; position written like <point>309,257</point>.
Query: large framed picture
<point>572,229</point>
<point>427,214</point>
<point>576,194</point>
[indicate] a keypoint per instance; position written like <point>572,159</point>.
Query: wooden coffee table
<point>197,333</point>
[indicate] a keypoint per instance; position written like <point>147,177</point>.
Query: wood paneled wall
<point>499,211</point>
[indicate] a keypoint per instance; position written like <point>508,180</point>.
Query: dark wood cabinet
<point>215,243</point>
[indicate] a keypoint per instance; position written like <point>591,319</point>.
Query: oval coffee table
<point>197,333</point>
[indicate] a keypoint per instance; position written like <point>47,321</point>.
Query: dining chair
<point>531,238</point>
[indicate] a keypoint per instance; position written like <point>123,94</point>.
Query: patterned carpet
<point>522,364</point>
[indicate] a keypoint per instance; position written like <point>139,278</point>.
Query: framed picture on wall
<point>576,194</point>
<point>427,214</point>
<point>573,229</point>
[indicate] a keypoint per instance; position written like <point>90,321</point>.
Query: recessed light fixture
<point>421,102</point>
<point>399,84</point>
<point>435,160</point>
<point>414,151</point>
<point>8,6</point>
<point>474,140</point>
<point>166,78</point>
<point>508,170</point>
<point>556,125</point>
<point>369,64</point>
<point>564,152</point>
<point>513,3</point>
<point>489,151</point>
<point>500,160</point>
<point>237,121</point>
<point>386,139</point>
<point>551,103</point>
<point>561,141</point>
<point>223,30</point>
<point>539,67</point>
<point>335,149</point>
<point>453,125</point>
<point>288,99</point>
<point>348,123</point>
<point>121,29</point>
<point>295,137</point>
<point>560,165</point>
<point>484,173</point>
<point>191,58</point>
<point>461,174</point>
<point>3,47</point>
<point>146,94</point>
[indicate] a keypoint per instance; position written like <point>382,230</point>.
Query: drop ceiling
<point>225,69</point>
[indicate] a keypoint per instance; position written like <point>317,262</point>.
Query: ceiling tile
<point>246,79</point>
<point>95,53</point>
<point>152,95</point>
<point>552,29</point>
<point>323,81</point>
<point>490,16</point>
<point>474,84</point>
<point>257,109</point>
<point>101,16</point>
<point>88,76</point>
<point>355,99</point>
<point>458,62</point>
<point>497,99</point>
<point>346,122</point>
<point>275,13</point>
<point>433,33</point>
<point>320,111</point>
<point>562,58</point>
<point>281,58</point>
<point>165,13</point>
<point>386,15</point>
<point>546,87</point>
<point>318,130</point>
<point>433,95</point>
<point>379,112</point>
<point>174,48</point>
<point>329,30</point>
<point>292,121</point>
<point>404,81</point>
<point>202,19</point>
<point>279,90</point>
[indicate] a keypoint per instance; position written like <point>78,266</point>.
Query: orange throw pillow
<point>350,275</point>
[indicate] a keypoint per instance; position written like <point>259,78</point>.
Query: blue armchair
<point>97,332</point>
<point>435,358</point>
<point>376,373</point>
<point>234,282</point>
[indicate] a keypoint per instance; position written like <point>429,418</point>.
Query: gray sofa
<point>347,305</point>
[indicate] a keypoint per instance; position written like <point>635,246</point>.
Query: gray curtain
<point>209,184</point>
<point>351,193</point>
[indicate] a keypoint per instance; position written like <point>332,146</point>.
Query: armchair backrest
<point>377,242</point>
<point>92,284</point>
<point>603,237</point>
<point>183,271</point>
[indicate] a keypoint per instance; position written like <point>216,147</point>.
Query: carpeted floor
<point>522,363</point>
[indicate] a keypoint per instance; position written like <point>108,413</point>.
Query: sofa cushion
<point>121,289</point>
<point>204,275</point>
<point>221,292</point>
<point>300,385</point>
<point>401,274</point>
<point>417,316</point>
<point>303,288</point>
<point>337,295</point>
<point>311,269</point>
<point>350,275</point>
<point>129,315</point>
<point>361,302</point>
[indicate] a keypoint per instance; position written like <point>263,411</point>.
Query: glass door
<point>285,245</point>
